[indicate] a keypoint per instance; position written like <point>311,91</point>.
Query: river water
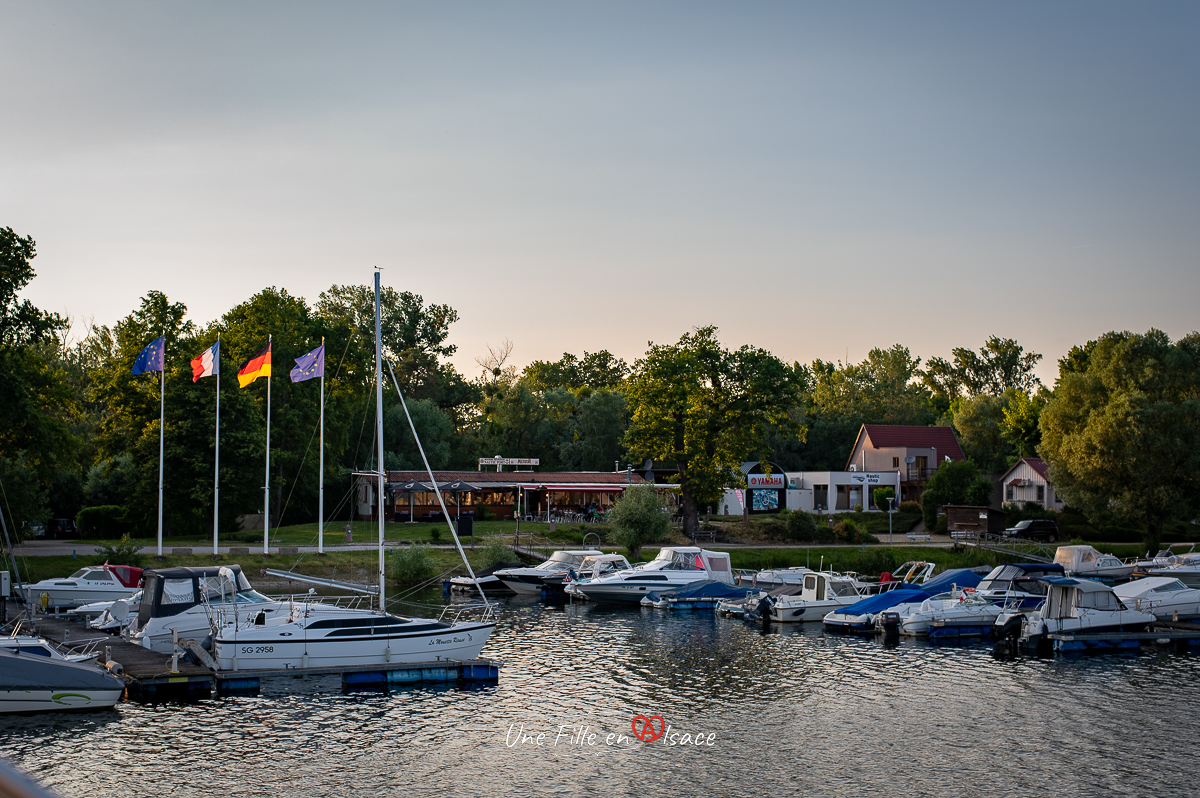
<point>790,712</point>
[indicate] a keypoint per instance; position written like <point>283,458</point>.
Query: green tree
<point>1000,364</point>
<point>434,427</point>
<point>1020,426</point>
<point>956,482</point>
<point>639,518</point>
<point>707,409</point>
<point>881,496</point>
<point>1123,436</point>
<point>978,420</point>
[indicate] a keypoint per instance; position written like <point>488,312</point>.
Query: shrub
<point>482,513</point>
<point>101,521</point>
<point>909,507</point>
<point>802,527</point>
<point>495,552</point>
<point>123,553</point>
<point>435,534</point>
<point>637,518</point>
<point>412,565</point>
<point>881,496</point>
<point>851,533</point>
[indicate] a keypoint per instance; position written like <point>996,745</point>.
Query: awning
<point>610,488</point>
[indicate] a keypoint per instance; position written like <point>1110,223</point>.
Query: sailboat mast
<point>162,418</point>
<point>217,449</point>
<point>321,463</point>
<point>379,434</point>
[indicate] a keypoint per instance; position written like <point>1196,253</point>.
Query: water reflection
<point>793,712</point>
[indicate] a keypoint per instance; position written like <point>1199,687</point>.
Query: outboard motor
<point>1007,635</point>
<point>889,622</point>
<point>765,606</point>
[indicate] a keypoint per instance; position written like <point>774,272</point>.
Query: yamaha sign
<point>764,482</point>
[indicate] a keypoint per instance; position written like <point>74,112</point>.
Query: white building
<point>1029,481</point>
<point>838,491</point>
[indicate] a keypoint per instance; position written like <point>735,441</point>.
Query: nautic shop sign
<point>764,482</point>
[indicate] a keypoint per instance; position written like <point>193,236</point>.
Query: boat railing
<point>83,649</point>
<point>477,611</point>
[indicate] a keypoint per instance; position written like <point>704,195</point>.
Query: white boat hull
<point>64,598</point>
<point>57,700</point>
<point>277,648</point>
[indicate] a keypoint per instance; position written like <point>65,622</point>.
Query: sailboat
<point>316,635</point>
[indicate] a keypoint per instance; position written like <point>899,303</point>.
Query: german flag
<point>255,367</point>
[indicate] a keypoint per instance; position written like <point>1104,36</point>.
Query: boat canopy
<point>1066,595</point>
<point>708,588</point>
<point>170,591</point>
<point>1151,584</point>
<point>884,600</point>
<point>1077,558</point>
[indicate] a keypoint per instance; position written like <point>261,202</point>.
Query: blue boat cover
<point>710,588</point>
<point>884,600</point>
<point>962,577</point>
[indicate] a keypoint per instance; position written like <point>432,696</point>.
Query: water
<point>790,713</point>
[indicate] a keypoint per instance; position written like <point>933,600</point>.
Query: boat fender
<point>114,667</point>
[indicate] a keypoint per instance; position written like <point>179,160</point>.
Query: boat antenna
<point>432,481</point>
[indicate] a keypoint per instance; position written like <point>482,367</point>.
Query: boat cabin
<point>1066,596</point>
<point>1022,577</point>
<point>691,558</point>
<point>601,565</point>
<point>125,575</point>
<point>1084,559</point>
<point>170,591</point>
<point>821,586</point>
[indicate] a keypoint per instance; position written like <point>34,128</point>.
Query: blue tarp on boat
<point>960,577</point>
<point>884,600</point>
<point>709,588</point>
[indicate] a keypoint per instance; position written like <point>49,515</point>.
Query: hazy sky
<point>813,178</point>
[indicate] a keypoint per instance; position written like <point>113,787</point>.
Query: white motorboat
<point>1017,585</point>
<point>1072,605</point>
<point>1186,569</point>
<point>107,620</point>
<point>1086,562</point>
<point>90,612</point>
<point>955,612</point>
<point>485,580</point>
<point>529,580</point>
<point>34,680</point>
<point>1163,559</point>
<point>769,579</point>
<point>85,586</point>
<point>591,568</point>
<point>673,568</point>
<point>183,601</point>
<point>820,593</point>
<point>1164,596</point>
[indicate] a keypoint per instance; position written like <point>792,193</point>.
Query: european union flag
<point>310,365</point>
<point>151,358</point>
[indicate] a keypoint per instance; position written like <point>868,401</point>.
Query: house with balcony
<point>915,452</point>
<point>1028,481</point>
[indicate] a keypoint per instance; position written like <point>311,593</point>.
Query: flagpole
<point>267,481</point>
<point>321,463</point>
<point>162,415</point>
<point>379,437</point>
<point>217,459</point>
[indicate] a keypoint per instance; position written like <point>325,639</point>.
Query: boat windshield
<point>1171,586</point>
<point>554,565</point>
<point>676,561</point>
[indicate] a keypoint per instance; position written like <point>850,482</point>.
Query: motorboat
<point>1186,569</point>
<point>316,635</point>
<point>528,580</point>
<point>1086,562</point>
<point>41,647</point>
<point>1163,559</point>
<point>1166,597</point>
<point>1017,585</point>
<point>180,602</point>
<point>702,595</point>
<point>747,607</point>
<point>820,593</point>
<point>859,618</point>
<point>592,567</point>
<point>959,613</point>
<point>107,621</point>
<point>1073,605</point>
<point>35,681</point>
<point>485,580</point>
<point>769,579</point>
<point>909,574</point>
<point>96,583</point>
<point>673,568</point>
<point>89,612</point>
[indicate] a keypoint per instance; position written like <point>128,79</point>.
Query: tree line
<point>79,429</point>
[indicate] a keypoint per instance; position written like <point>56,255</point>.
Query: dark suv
<point>1034,530</point>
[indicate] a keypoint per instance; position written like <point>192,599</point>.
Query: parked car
<point>1034,529</point>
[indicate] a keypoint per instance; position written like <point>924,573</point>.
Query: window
<point>1041,493</point>
<point>1008,493</point>
<point>820,497</point>
<point>895,462</point>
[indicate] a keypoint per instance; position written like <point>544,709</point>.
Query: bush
<point>858,508</point>
<point>637,518</point>
<point>849,532</point>
<point>123,553</point>
<point>495,552</point>
<point>412,565</point>
<point>482,513</point>
<point>435,534</point>
<point>101,521</point>
<point>909,507</point>
<point>802,527</point>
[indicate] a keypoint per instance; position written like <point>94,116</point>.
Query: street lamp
<point>890,500</point>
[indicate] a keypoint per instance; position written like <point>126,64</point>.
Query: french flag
<point>207,363</point>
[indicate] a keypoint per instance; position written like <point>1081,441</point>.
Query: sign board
<point>497,461</point>
<point>762,481</point>
<point>870,479</point>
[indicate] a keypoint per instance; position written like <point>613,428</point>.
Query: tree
<point>638,518</point>
<point>434,427</point>
<point>1021,416</point>
<point>1122,437</point>
<point>1000,364</point>
<point>978,421</point>
<point>955,482</point>
<point>707,409</point>
<point>881,496</point>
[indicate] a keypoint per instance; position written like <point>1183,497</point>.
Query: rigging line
<point>436,489</point>
<point>8,540</point>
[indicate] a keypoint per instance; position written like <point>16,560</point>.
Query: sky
<point>813,178</point>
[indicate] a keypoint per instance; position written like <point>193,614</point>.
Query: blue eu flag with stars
<point>310,365</point>
<point>151,358</point>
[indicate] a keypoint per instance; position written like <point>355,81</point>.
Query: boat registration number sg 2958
<point>258,649</point>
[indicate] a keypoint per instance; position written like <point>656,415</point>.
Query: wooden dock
<point>149,676</point>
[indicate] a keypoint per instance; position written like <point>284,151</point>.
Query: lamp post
<point>890,499</point>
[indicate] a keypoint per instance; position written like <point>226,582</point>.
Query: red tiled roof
<point>889,436</point>
<point>1039,465</point>
<point>521,477</point>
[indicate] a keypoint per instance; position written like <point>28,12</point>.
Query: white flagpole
<point>267,481</point>
<point>162,415</point>
<point>379,436</point>
<point>217,461</point>
<point>321,463</point>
